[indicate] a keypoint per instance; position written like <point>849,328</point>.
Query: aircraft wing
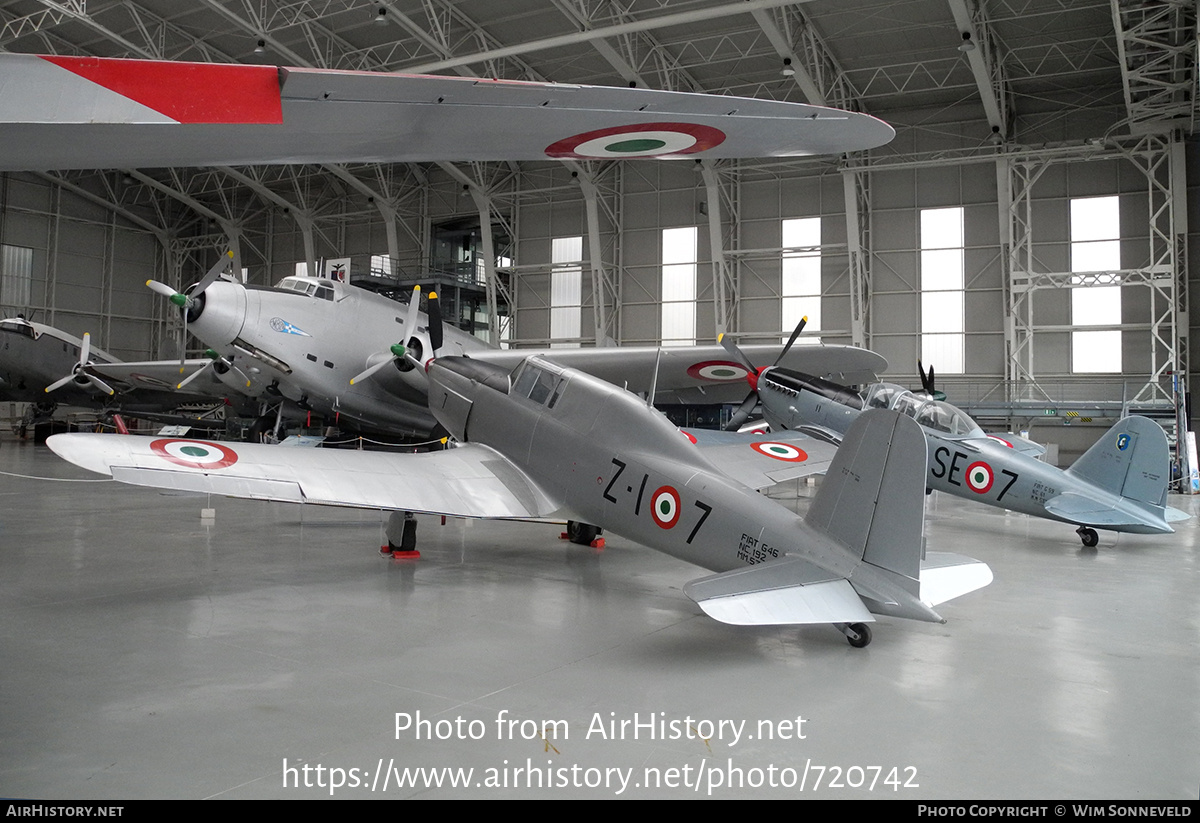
<point>65,112</point>
<point>468,481</point>
<point>158,375</point>
<point>699,374</point>
<point>762,461</point>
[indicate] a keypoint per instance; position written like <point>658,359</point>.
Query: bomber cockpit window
<point>21,327</point>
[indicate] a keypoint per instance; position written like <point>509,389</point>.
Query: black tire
<point>1089,537</point>
<point>581,533</point>
<point>864,635</point>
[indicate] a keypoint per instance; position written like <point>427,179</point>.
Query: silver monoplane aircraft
<point>1119,484</point>
<point>549,441</point>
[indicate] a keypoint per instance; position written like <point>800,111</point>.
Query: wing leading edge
<point>468,481</point>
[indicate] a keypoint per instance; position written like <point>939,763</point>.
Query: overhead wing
<point>761,461</point>
<point>60,112</point>
<point>468,481</point>
<point>699,374</point>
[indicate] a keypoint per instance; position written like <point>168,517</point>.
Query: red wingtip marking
<point>187,92</point>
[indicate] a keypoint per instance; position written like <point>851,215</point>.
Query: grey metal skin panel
<point>614,461</point>
<point>53,118</point>
<point>1018,481</point>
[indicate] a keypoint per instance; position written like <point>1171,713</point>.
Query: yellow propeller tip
<point>433,295</point>
<point>229,254</point>
<point>805,318</point>
<point>720,337</point>
<point>444,440</point>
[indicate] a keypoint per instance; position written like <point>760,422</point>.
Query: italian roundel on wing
<point>194,454</point>
<point>638,140</point>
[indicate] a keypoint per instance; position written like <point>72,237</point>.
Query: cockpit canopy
<point>312,286</point>
<point>933,414</point>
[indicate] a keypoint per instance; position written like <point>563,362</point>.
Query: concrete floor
<point>144,653</point>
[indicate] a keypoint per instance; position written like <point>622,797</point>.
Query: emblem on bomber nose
<point>284,327</point>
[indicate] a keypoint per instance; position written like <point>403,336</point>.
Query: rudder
<point>1130,460</point>
<point>872,500</point>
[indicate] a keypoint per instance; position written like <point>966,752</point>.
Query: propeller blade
<point>435,324</point>
<point>414,308</point>
<point>926,379</point>
<point>212,274</point>
<point>791,340</point>
<point>743,412</point>
<point>58,384</point>
<point>161,288</point>
<point>196,374</point>
<point>85,349</point>
<point>98,383</point>
<point>370,370</point>
<point>727,343</point>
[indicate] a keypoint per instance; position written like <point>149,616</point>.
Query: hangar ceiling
<point>960,79</point>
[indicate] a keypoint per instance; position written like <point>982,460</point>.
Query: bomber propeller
<point>217,362</point>
<point>80,373</point>
<point>188,300</point>
<point>400,352</point>
<point>752,372</point>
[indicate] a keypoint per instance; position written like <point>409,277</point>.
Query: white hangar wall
<point>90,259</point>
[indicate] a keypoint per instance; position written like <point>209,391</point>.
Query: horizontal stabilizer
<point>1079,508</point>
<point>781,592</point>
<point>1174,515</point>
<point>945,576</point>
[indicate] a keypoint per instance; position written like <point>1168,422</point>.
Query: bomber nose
<point>219,318</point>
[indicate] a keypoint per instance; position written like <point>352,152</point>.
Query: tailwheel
<point>858,634</point>
<point>1088,536</point>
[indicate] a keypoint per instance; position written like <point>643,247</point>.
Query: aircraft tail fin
<point>1131,460</point>
<point>872,500</point>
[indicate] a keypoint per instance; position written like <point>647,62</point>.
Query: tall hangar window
<point>566,291</point>
<point>679,286</point>
<point>382,266</point>
<point>16,276</point>
<point>1096,300</point>
<point>800,286</point>
<point>942,289</point>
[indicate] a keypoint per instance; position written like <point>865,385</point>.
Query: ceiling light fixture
<point>381,16</point>
<point>788,71</point>
<point>967,44</point>
<point>260,47</point>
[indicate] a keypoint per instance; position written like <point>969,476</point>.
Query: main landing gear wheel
<point>1088,536</point>
<point>581,533</point>
<point>858,634</point>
